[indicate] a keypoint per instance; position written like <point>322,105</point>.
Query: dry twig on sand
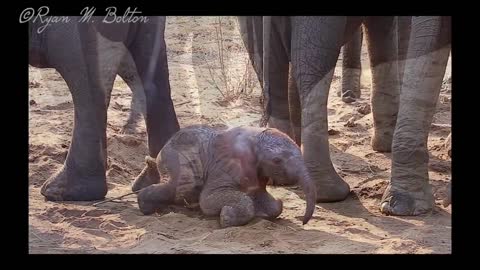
<point>115,198</point>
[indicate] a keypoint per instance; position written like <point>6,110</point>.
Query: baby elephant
<point>226,172</point>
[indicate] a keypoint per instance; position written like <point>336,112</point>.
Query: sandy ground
<point>352,226</point>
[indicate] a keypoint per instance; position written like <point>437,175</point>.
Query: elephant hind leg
<point>382,49</point>
<point>276,68</point>
<point>409,191</point>
<point>166,163</point>
<point>294,109</point>
<point>179,162</point>
<point>154,197</point>
<point>352,68</point>
<point>316,43</point>
<point>149,52</point>
<point>90,81</point>
<point>128,72</point>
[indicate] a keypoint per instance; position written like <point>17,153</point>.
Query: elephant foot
<point>70,186</point>
<point>382,143</point>
<point>146,202</point>
<point>133,119</point>
<point>269,210</point>
<point>331,187</point>
<point>148,176</point>
<point>348,96</point>
<point>401,202</point>
<point>154,197</point>
<point>231,216</point>
<point>128,129</point>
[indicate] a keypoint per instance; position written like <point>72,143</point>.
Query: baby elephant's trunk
<point>302,177</point>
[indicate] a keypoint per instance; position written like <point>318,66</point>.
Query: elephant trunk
<point>299,174</point>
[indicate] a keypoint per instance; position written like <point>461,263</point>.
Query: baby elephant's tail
<point>151,162</point>
<point>148,176</point>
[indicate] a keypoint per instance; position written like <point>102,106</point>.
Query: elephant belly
<point>190,148</point>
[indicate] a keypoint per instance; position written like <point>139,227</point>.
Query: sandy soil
<point>352,226</point>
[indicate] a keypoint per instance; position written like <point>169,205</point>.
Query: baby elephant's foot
<point>382,140</point>
<point>270,212</point>
<point>235,207</point>
<point>266,206</point>
<point>233,216</point>
<point>155,197</point>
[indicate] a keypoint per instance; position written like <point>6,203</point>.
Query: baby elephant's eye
<point>277,160</point>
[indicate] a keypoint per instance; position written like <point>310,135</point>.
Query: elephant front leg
<point>382,48</point>
<point>82,177</point>
<point>295,109</point>
<point>150,56</point>
<point>409,191</point>
<point>404,24</point>
<point>316,43</point>
<point>89,74</point>
<point>276,69</point>
<point>352,68</point>
<point>138,105</point>
<point>235,208</point>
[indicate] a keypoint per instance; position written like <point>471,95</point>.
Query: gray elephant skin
<point>295,57</point>
<point>226,172</point>
<point>89,56</point>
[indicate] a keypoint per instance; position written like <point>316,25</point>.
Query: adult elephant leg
<point>276,66</point>
<point>382,39</point>
<point>89,72</point>
<point>404,24</point>
<point>447,200</point>
<point>150,56</point>
<point>295,109</point>
<point>316,43</point>
<point>128,72</point>
<point>409,192</point>
<point>277,40</point>
<point>251,31</point>
<point>352,68</point>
